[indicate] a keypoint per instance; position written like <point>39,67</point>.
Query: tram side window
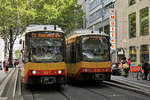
<point>77,48</point>
<point>68,53</point>
<point>27,49</point>
<point>22,51</point>
<point>73,53</point>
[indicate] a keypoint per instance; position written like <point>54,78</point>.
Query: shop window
<point>132,25</point>
<point>132,53</point>
<point>144,53</point>
<point>131,2</point>
<point>107,29</point>
<point>144,22</point>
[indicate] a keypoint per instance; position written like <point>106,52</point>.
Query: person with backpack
<point>129,64</point>
<point>145,68</point>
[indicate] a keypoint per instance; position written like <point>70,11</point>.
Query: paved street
<point>75,49</point>
<point>132,78</point>
<point>4,74</point>
<point>80,92</point>
<point>84,91</point>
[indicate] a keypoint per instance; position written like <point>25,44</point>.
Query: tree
<point>16,15</point>
<point>65,13</point>
<point>13,15</point>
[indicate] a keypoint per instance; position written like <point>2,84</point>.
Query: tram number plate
<point>97,70</point>
<point>49,80</point>
<point>99,76</point>
<point>46,72</point>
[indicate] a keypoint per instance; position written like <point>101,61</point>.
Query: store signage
<point>112,29</point>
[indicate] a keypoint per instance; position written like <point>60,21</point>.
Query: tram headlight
<point>106,69</point>
<point>33,72</point>
<point>59,71</point>
<point>55,72</point>
<point>85,70</point>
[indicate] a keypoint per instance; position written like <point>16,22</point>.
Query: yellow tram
<point>43,55</point>
<point>88,56</point>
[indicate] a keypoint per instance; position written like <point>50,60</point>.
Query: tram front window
<point>95,49</point>
<point>46,50</point>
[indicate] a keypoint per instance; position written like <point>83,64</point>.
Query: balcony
<point>106,16</point>
<point>105,13</point>
<point>107,2</point>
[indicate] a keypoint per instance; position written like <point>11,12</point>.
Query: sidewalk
<point>131,77</point>
<point>4,74</point>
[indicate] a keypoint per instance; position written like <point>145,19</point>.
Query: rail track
<point>139,88</point>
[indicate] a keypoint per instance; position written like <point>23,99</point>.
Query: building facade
<point>97,14</point>
<point>133,29</point>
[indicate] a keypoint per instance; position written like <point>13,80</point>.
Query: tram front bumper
<point>46,80</point>
<point>94,76</point>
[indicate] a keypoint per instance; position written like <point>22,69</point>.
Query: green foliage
<point>132,25</point>
<point>17,54</point>
<point>144,21</point>
<point>12,13</point>
<point>20,13</point>
<point>65,13</point>
<point>131,2</point>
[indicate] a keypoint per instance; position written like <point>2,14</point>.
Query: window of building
<point>132,25</point>
<point>144,53</point>
<point>94,4</point>
<point>100,29</point>
<point>107,29</point>
<point>132,53</point>
<point>131,2</point>
<point>144,22</point>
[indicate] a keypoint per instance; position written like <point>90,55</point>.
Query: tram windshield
<point>95,49</point>
<point>46,49</point>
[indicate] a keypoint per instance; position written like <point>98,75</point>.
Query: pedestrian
<point>124,59</point>
<point>145,69</point>
<point>139,72</point>
<point>15,64</point>
<point>4,64</point>
<point>129,63</point>
<point>125,69</point>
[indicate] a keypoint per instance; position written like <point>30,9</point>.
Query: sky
<point>17,46</point>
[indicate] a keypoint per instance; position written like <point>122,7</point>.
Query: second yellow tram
<point>88,57</point>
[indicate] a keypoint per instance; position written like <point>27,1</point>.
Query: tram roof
<point>34,28</point>
<point>84,34</point>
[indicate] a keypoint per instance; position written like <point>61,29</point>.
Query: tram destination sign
<point>41,35</point>
<point>93,38</point>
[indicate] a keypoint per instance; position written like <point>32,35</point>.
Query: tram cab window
<point>95,49</point>
<point>47,50</point>
<point>26,47</point>
<point>78,50</point>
